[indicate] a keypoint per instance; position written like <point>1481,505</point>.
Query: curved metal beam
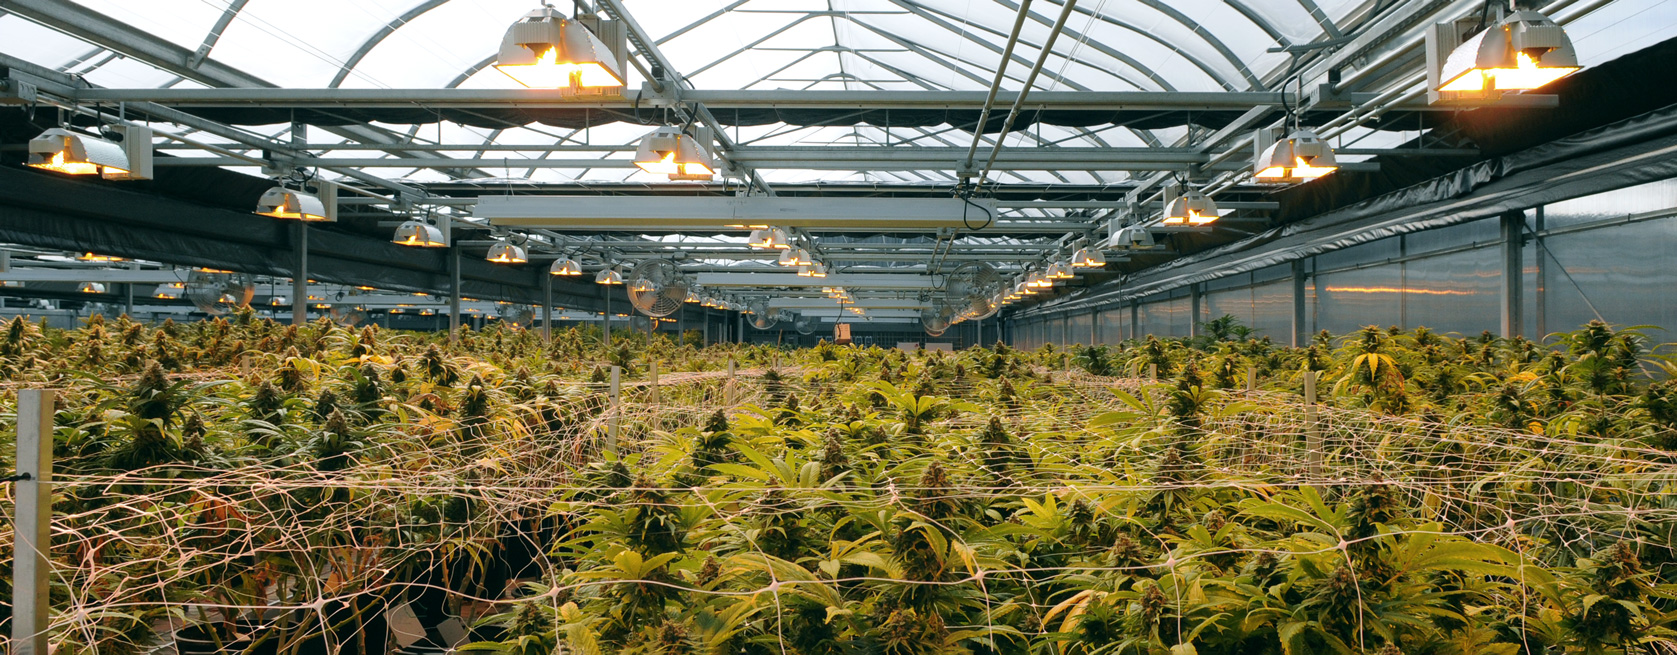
<point>1259,20</point>
<point>1208,37</point>
<point>379,37</point>
<point>1201,64</point>
<point>203,51</point>
<point>469,72</point>
<point>1321,18</point>
<point>924,11</point>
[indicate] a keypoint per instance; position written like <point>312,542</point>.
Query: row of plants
<point>243,486</point>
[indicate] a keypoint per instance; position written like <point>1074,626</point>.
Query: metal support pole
<point>1194,310</point>
<point>1301,327</point>
<point>1513,231</point>
<point>300,275</point>
<point>32,534</point>
<point>741,333</point>
<point>706,332</point>
<point>607,294</point>
<point>1542,290</point>
<point>1135,319</point>
<point>616,408</point>
<point>454,293</point>
<point>547,308</point>
<point>1312,431</point>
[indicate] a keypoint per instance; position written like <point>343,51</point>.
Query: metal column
<point>1301,328</point>
<point>1542,290</point>
<point>1135,319</point>
<point>300,275</point>
<point>1513,228</point>
<point>605,290</point>
<point>547,308</point>
<point>1194,319</point>
<point>454,293</point>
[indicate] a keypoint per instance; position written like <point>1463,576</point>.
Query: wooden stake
<point>616,408</point>
<point>729,390</point>
<point>1312,431</point>
<point>32,535</point>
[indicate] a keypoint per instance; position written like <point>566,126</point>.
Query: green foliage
<point>1480,495</point>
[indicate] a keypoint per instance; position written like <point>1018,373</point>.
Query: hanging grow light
<point>419,234</point>
<point>795,257</point>
<point>71,153</point>
<point>545,50</point>
<point>1524,51</point>
<point>667,151</point>
<point>1300,157</point>
<point>1088,258</point>
<point>1059,271</point>
<point>609,277</point>
<point>1191,208</point>
<point>769,239</point>
<point>565,266</point>
<point>507,253</point>
<point>91,287</point>
<point>291,204</point>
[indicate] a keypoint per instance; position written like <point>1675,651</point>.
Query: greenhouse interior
<point>876,327</point>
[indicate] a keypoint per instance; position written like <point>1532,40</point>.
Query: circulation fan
<point>218,292</point>
<point>971,289</point>
<point>516,315</point>
<point>936,318</point>
<point>804,325</point>
<point>657,287</point>
<point>347,314</point>
<point>761,317</point>
<point>640,324</point>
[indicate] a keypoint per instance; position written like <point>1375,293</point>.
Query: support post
<point>1513,228</point>
<point>1301,327</point>
<point>1251,379</point>
<point>300,275</point>
<point>1312,431</point>
<point>1194,310</point>
<point>1135,319</point>
<point>32,533</point>
<point>1153,372</point>
<point>616,409</point>
<point>1542,290</point>
<point>454,293</point>
<point>740,335</point>
<point>547,308</point>
<point>607,294</point>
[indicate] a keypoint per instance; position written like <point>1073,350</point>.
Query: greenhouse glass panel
<point>1640,199</point>
<point>1272,311</point>
<point>1349,300</point>
<point>1458,292</point>
<point>1078,328</point>
<point>1233,302</point>
<point>1628,286</point>
<point>1482,232</point>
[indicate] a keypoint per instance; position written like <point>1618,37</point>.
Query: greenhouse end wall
<point>1603,256</point>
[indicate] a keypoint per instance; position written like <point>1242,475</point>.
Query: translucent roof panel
<point>1107,45</point>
